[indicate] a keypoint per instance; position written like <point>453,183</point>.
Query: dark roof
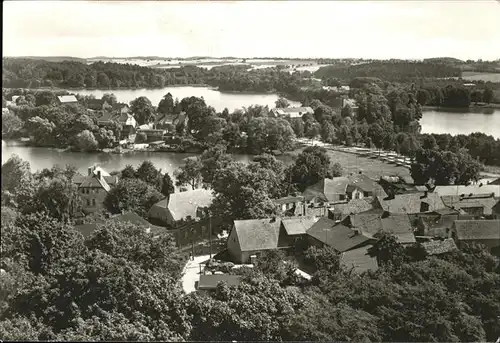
<point>477,229</point>
<point>297,226</point>
<point>93,181</point>
<point>106,117</point>
<point>354,206</point>
<point>496,182</point>
<point>326,189</point>
<point>359,259</point>
<point>436,225</point>
<point>411,203</point>
<point>288,200</point>
<point>208,282</point>
<point>366,184</point>
<point>257,234</point>
<point>111,180</point>
<point>119,106</point>
<point>372,222</point>
<point>78,178</point>
<point>86,229</point>
<point>439,246</point>
<point>338,236</point>
<point>485,201</point>
<point>95,104</point>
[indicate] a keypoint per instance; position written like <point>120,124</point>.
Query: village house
<point>296,229</point>
<point>373,222</point>
<point>291,112</point>
<point>470,190</point>
<point>478,205</point>
<point>338,236</point>
<point>410,203</point>
<point>327,191</point>
<point>351,103</point>
<point>181,207</point>
<point>359,260</point>
<point>170,122</point>
<point>486,232</point>
<point>291,206</point>
<point>339,211</point>
<point>120,108</point>
<point>361,186</point>
<point>98,105</point>
<point>128,123</point>
<point>67,99</point>
<point>399,185</point>
<point>249,238</point>
<point>153,135</point>
<point>434,224</point>
<point>94,187</point>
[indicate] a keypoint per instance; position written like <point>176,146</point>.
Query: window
<point>88,202</point>
<point>93,202</point>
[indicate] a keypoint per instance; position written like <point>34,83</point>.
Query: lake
<point>40,158</point>
<point>456,121</point>
<point>214,98</point>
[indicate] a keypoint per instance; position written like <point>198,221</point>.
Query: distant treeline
<point>390,71</point>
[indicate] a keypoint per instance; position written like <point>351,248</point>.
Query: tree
<point>41,131</point>
<point>142,109</point>
<point>141,137</point>
<point>328,132</point>
<point>282,103</point>
<point>197,112</point>
<point>346,111</point>
<point>105,138</point>
<point>148,173</point>
<point>110,98</point>
<point>59,198</point>
<point>312,165</point>
<point>189,173</point>
<point>11,124</point>
<point>298,127</point>
<point>18,185</point>
<point>132,195</point>
<point>128,172</point>
<point>166,105</point>
<point>387,249</point>
<point>47,98</point>
<point>167,185</point>
<point>214,159</point>
<point>266,134</point>
<point>488,95</point>
<point>85,141</point>
<point>336,170</point>
<point>423,96</point>
<point>312,129</point>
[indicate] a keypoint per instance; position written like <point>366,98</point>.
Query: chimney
<point>481,184</point>
<point>273,219</point>
<point>91,169</point>
<point>99,175</point>
<point>424,196</point>
<point>360,172</point>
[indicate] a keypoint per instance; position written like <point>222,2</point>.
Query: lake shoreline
<point>471,107</point>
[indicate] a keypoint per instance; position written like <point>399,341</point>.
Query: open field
<point>373,168</point>
<point>475,76</point>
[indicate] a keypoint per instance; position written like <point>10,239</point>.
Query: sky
<point>304,29</point>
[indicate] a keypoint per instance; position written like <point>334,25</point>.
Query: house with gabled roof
<point>372,222</point>
<point>469,190</point>
<point>437,225</point>
<point>181,207</point>
<point>410,203</point>
<point>341,210</point>
<point>67,99</point>
<point>327,191</point>
<point>98,105</point>
<point>474,204</point>
<point>486,232</point>
<point>291,112</point>
<point>361,186</point>
<point>94,187</point>
<point>252,236</point>
<point>338,236</point>
<point>170,122</point>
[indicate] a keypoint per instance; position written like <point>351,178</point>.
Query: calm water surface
<point>40,158</point>
<point>212,97</point>
<point>462,122</point>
